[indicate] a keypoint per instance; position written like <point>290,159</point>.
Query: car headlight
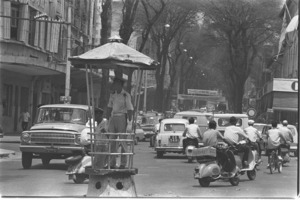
<point>25,137</point>
<point>77,138</point>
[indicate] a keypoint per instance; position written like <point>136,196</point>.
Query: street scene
<point>149,99</point>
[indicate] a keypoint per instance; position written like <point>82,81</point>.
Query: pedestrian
<point>254,137</point>
<point>233,134</point>
<point>119,114</point>
<point>192,133</point>
<point>156,127</point>
<point>24,119</point>
<point>212,136</point>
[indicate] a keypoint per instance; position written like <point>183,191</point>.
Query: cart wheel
<point>234,181</point>
<point>251,174</point>
<point>79,178</point>
<point>204,182</point>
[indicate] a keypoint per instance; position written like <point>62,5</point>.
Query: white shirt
<point>274,138</point>
<point>232,133</point>
<point>287,133</point>
<point>156,127</point>
<point>192,131</point>
<point>252,133</point>
<point>120,102</point>
<point>25,117</point>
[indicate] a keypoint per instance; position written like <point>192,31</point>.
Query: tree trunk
<point>106,16</point>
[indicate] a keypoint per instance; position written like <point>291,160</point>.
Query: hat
<point>251,122</point>
<point>285,122</point>
<point>120,76</point>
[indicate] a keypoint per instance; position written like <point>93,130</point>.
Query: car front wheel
<point>26,160</point>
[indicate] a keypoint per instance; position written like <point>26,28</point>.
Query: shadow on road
<point>55,166</point>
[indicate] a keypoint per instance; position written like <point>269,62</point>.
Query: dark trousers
<point>187,141</point>
<point>245,149</point>
<point>24,125</point>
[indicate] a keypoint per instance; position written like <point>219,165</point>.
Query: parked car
<point>222,121</point>
<point>293,146</point>
<point>55,133</point>
<point>139,134</point>
<point>169,137</point>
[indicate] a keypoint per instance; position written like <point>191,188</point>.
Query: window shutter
<point>6,21</point>
<point>55,38</point>
<point>37,33</point>
<point>23,32</point>
<point>42,33</point>
<point>49,31</point>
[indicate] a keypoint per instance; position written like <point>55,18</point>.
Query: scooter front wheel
<point>251,174</point>
<point>204,182</point>
<point>79,178</point>
<point>234,181</point>
<point>279,167</point>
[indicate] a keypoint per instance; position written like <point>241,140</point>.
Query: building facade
<point>33,39</point>
<point>278,99</point>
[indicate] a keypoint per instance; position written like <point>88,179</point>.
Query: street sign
<point>203,92</point>
<point>251,112</point>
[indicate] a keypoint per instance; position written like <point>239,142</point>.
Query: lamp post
<point>68,66</point>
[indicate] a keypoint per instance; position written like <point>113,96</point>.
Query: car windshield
<point>63,115</point>
<point>225,122</point>
<point>174,127</point>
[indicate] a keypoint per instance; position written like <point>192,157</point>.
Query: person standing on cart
<point>119,114</point>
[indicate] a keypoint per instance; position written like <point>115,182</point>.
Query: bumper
<point>169,149</point>
<point>50,149</point>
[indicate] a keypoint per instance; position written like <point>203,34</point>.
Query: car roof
<point>230,115</point>
<point>193,113</point>
<point>173,120</point>
<point>85,107</point>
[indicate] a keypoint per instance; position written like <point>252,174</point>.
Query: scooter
<point>77,164</point>
<point>189,150</point>
<point>253,161</point>
<point>215,164</point>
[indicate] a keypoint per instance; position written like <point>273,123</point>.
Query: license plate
<point>51,149</point>
<point>174,139</point>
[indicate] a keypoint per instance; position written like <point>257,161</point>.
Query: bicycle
<point>275,162</point>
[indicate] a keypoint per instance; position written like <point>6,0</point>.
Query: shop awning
<point>285,109</point>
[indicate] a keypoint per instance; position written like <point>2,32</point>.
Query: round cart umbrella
<point>114,55</point>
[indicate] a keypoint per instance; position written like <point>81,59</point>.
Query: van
<point>222,121</point>
<point>201,119</point>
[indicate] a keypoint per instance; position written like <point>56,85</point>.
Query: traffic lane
<point>38,181</point>
<point>173,176</point>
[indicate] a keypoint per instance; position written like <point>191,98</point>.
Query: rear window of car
<point>225,122</point>
<point>174,127</point>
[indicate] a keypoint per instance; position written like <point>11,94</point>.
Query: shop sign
<point>203,92</point>
<point>285,85</point>
<point>295,86</point>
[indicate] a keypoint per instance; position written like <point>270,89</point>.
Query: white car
<point>169,137</point>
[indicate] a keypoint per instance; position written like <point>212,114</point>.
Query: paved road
<point>170,176</point>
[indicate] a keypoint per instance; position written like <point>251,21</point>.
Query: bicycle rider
<point>274,136</point>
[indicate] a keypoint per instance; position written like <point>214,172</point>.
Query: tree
<point>105,34</point>
<point>240,28</point>
<point>174,17</point>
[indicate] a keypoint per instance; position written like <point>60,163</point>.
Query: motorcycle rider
<point>254,137</point>
<point>232,134</point>
<point>287,133</point>
<point>192,132</point>
<point>210,137</point>
<point>274,136</point>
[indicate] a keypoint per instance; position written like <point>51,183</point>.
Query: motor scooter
<point>215,164</point>
<point>190,146</point>
<point>77,164</point>
<point>252,161</point>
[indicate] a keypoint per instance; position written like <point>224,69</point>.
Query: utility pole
<point>68,66</point>
<point>145,92</point>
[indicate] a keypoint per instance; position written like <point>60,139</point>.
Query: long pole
<point>68,67</point>
<point>145,92</point>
